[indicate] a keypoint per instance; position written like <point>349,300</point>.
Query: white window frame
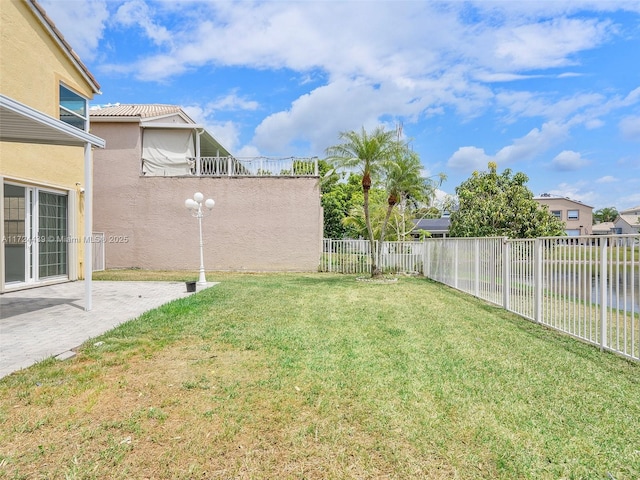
<point>571,217</point>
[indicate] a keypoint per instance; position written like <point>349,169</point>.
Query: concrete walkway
<point>50,321</point>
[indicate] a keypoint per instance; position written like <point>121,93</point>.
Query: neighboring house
<point>45,152</point>
<point>576,216</point>
<point>631,211</point>
<point>437,227</point>
<point>628,221</point>
<point>267,214</point>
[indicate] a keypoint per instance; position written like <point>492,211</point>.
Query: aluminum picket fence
<point>353,256</point>
<point>587,287</point>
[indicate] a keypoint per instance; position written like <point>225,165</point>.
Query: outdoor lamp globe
<point>209,203</point>
<point>198,197</point>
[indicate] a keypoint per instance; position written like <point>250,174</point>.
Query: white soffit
<point>23,124</point>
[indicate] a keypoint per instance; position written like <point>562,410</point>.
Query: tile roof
<point>630,210</point>
<point>542,198</point>
<point>604,227</point>
<point>135,110</point>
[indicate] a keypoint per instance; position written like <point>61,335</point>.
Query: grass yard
<point>319,376</point>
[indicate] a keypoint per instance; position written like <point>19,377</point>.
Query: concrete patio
<point>50,321</point>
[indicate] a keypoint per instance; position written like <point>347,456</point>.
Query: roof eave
<point>23,124</point>
<point>40,13</point>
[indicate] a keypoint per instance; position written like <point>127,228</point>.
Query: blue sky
<point>548,88</point>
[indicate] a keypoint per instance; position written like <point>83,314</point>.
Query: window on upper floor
<point>557,213</point>
<point>73,108</point>
<point>573,214</point>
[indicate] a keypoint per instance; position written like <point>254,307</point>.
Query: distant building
<point>603,228</point>
<point>631,211</point>
<point>576,216</point>
<point>628,221</point>
<point>437,227</point>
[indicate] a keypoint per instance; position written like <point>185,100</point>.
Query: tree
<point>607,214</point>
<point>367,153</point>
<point>336,205</point>
<point>492,204</point>
<point>404,185</point>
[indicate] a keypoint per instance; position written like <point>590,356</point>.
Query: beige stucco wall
<point>257,224</point>
<point>32,65</point>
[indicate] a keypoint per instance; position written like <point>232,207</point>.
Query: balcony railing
<point>253,167</point>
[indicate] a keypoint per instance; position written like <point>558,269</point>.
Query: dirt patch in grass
<point>192,410</point>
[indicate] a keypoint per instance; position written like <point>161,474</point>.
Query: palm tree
<point>367,153</point>
<point>404,183</point>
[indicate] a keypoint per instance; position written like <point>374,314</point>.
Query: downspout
<point>88,227</point>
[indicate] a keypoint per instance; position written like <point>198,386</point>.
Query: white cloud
<point>630,128</point>
<point>233,102</point>
<point>532,144</point>
<point>607,179</point>
<point>530,104</point>
<point>577,191</point>
<point>82,24</point>
<point>226,133</point>
<point>547,44</point>
<point>317,117</point>
<point>469,159</point>
<point>137,12</point>
<point>569,160</point>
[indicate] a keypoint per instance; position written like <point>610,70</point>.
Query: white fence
<point>352,256</point>
<point>97,251</point>
<point>587,287</point>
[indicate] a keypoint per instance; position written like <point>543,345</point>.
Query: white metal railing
<point>253,167</point>
<point>587,287</point>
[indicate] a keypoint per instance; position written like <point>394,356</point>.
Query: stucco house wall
<point>579,226</point>
<point>257,223</point>
<point>34,60</point>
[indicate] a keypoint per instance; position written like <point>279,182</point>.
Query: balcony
<point>253,167</point>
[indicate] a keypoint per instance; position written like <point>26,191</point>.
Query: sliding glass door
<point>35,234</point>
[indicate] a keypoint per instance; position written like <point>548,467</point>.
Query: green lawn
<point>320,376</point>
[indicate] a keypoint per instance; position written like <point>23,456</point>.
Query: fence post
<point>537,279</point>
<point>425,258</point>
<point>603,293</point>
<point>506,274</point>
